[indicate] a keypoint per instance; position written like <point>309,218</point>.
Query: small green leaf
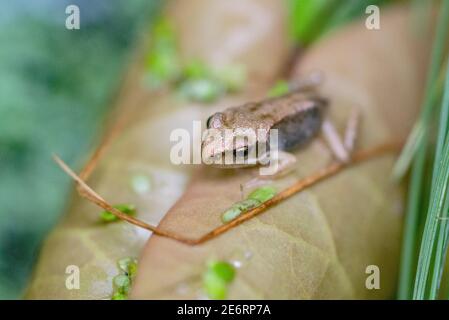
<point>121,283</point>
<point>280,88</point>
<point>262,194</point>
<point>128,209</point>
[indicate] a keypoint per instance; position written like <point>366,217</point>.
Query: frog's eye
<point>215,121</point>
<point>208,122</point>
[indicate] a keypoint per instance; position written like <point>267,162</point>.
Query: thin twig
<point>302,184</point>
<point>334,168</point>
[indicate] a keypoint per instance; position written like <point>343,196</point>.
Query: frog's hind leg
<point>306,83</point>
<point>342,149</point>
<point>334,141</point>
<point>352,130</point>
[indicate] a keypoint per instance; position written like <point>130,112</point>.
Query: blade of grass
<point>442,225</point>
<point>439,187</point>
<point>311,19</point>
<point>308,18</point>
<point>443,124</point>
<point>416,152</point>
<point>415,139</point>
<point>416,136</point>
<point>428,245</point>
<point>411,226</point>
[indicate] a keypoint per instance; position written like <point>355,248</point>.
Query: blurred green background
<point>55,87</point>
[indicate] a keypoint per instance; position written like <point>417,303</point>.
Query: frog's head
<point>231,146</point>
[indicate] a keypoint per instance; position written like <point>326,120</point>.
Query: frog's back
<point>297,116</point>
<point>299,128</point>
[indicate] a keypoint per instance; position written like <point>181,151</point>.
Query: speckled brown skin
<point>297,115</point>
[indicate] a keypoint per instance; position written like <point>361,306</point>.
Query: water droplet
<point>202,296</point>
<point>182,289</point>
<point>140,183</point>
<point>236,263</point>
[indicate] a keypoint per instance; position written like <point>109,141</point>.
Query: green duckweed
<point>223,270</point>
<point>122,282</point>
<point>119,296</point>
<point>247,204</point>
<point>262,194</point>
<point>204,90</point>
<point>238,208</point>
<point>230,214</point>
<point>254,199</point>
<point>162,62</point>
<point>218,276</point>
<point>195,80</point>
<point>128,209</point>
<point>280,88</point>
<point>128,266</point>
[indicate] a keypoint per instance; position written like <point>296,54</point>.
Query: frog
<point>298,116</point>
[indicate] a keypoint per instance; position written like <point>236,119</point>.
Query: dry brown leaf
<point>319,243</point>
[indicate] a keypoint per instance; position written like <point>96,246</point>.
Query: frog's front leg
<point>280,164</point>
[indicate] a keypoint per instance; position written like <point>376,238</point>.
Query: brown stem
<point>364,155</point>
<point>302,184</point>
